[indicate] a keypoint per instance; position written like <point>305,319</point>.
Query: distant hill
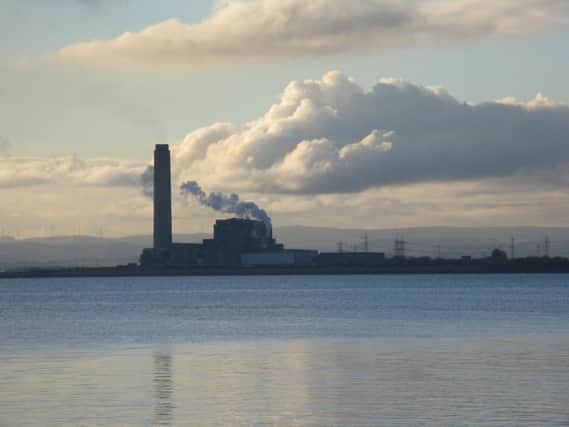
<point>426,241</point>
<point>84,251</point>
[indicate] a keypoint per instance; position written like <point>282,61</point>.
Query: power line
<point>512,248</point>
<point>399,249</point>
<point>365,243</point>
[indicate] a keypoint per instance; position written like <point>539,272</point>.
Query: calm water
<point>326,351</point>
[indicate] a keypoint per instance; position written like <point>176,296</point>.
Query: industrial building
<point>235,236</point>
<point>284,257</point>
<point>236,241</point>
<point>367,259</point>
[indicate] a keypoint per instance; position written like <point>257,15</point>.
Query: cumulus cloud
<point>331,136</point>
<point>260,30</point>
<point>332,154</point>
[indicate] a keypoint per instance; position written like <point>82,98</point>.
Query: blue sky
<point>129,110</point>
<point>34,26</point>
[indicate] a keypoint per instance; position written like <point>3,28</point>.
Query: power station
<point>238,245</point>
<point>236,242</point>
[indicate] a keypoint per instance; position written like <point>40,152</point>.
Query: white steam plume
<point>226,203</point>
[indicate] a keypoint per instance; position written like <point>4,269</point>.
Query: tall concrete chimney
<point>162,199</point>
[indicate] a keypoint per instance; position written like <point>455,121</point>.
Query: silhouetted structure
<point>365,243</point>
<point>162,202</point>
<point>512,248</point>
<point>282,257</point>
<point>399,249</point>
<point>235,242</point>
<point>232,238</point>
<point>498,256</point>
<point>235,236</point>
<point>350,258</point>
<point>185,254</point>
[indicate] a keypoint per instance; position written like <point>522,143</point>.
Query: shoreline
<point>136,271</point>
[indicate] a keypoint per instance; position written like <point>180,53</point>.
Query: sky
<point>375,113</point>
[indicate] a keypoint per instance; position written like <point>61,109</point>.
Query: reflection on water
<point>363,382</point>
<point>163,388</point>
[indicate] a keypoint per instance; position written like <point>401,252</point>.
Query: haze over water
<point>342,350</point>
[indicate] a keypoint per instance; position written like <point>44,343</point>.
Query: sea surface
<point>286,351</point>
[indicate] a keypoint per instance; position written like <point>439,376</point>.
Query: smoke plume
<point>147,181</point>
<point>226,203</point>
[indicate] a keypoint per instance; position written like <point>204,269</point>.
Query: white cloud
<point>32,171</point>
<point>330,153</point>
<point>540,101</point>
<point>67,209</point>
<point>261,30</point>
<point>330,136</point>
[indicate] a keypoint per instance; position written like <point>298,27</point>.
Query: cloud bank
<point>260,30</point>
<point>330,136</point>
<point>328,153</point>
<point>71,170</point>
